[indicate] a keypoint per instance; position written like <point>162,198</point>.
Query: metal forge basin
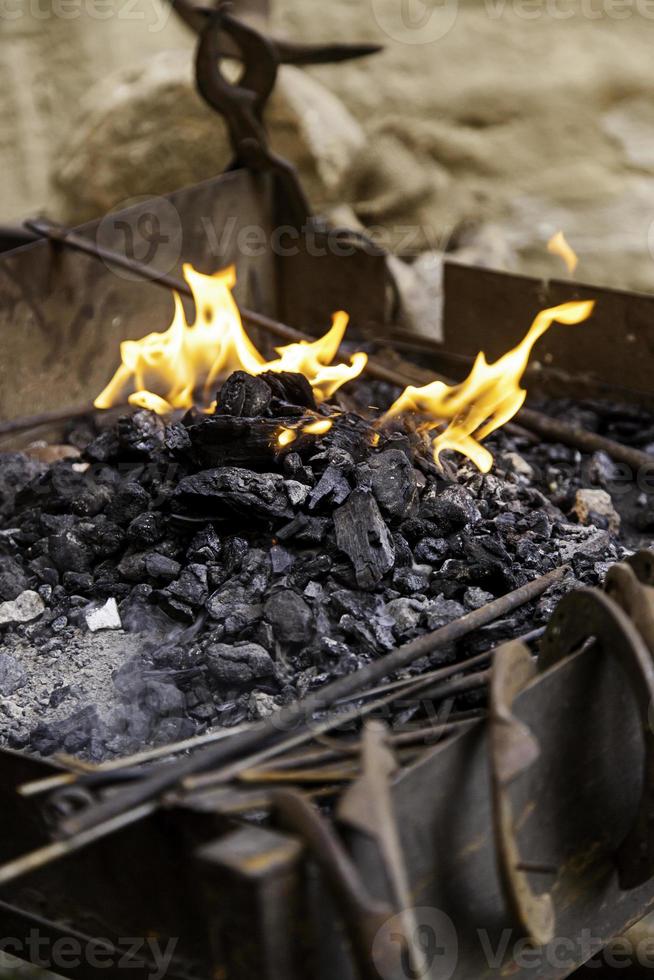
<point>242,900</point>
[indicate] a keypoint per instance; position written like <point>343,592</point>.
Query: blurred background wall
<point>485,123</point>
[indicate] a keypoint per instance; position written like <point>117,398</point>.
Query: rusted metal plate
<point>491,311</point>
<point>574,806</point>
<point>63,314</point>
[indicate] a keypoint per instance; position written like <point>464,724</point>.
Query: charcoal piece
<point>409,580</point>
<point>239,664</point>
<point>63,490</point>
<point>146,529</point>
<point>12,675</point>
<point>431,551</point>
<point>159,700</point>
<point>374,635</point>
<point>69,552</point>
<point>290,617</point>
<point>71,735</point>
<point>13,579</point>
<point>295,468</point>
<point>296,492</point>
<point>309,530</point>
<point>129,501</point>
<point>450,509</point>
<point>234,551</point>
<point>191,586</point>
<point>177,439</point>
<point>255,571</point>
<point>140,434</point>
<point>406,614</point>
<point>403,554</point>
<point>475,598</point>
<point>281,559</point>
<point>288,389</point>
<point>333,487</point>
<point>393,482</point>
<point>78,583</point>
<point>232,488</point>
<point>219,440</point>
<point>363,536</point>
<point>205,548</point>
<point>102,536</point>
<point>243,395</point>
<point>104,448</point>
<point>132,567</point>
<point>361,605</point>
<point>230,596</point>
<point>159,566</point>
<point>16,472</point>
<point>306,569</point>
<point>440,611</point>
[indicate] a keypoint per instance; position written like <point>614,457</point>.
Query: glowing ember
<point>558,245</point>
<point>488,398</point>
<point>163,371</point>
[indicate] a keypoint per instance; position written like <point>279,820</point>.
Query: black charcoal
<point>239,664</point>
<point>363,536</point>
<point>290,617</point>
<point>234,489</point>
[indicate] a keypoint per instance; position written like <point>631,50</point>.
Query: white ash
<point>27,606</point>
<point>104,617</point>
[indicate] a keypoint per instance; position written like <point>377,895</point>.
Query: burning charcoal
<point>12,675</point>
<point>146,529</point>
<point>69,552</point>
<point>288,388</point>
<point>219,440</point>
<point>309,530</point>
<point>450,509</point>
<point>129,501</point>
<point>140,434</point>
<point>16,471</point>
<point>243,395</point>
<point>393,482</point>
<point>333,487</point>
<point>239,664</point>
<point>362,534</point>
<point>104,617</point>
<point>13,580</point>
<point>232,488</point>
<point>205,547</point>
<point>290,617</point>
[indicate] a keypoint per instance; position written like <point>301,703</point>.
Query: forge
<point>315,634</point>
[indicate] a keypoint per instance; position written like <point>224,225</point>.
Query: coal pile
<point>173,577</point>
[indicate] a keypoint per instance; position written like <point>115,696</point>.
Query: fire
<point>558,245</point>
<point>164,371</point>
<point>488,398</point>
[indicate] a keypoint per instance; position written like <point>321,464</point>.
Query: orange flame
<point>558,245</point>
<point>165,370</point>
<point>488,398</point>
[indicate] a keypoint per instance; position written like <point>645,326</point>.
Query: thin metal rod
<point>298,716</point>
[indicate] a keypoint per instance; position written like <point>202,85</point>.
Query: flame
<point>558,245</point>
<point>488,398</point>
<point>167,370</point>
<point>318,428</point>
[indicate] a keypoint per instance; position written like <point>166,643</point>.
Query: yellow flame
<point>488,398</point>
<point>163,371</point>
<point>558,245</point>
<point>318,428</point>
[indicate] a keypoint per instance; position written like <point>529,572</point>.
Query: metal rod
<point>299,715</point>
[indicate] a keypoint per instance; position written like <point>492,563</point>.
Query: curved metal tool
<point>242,102</point>
<point>589,614</point>
<point>513,749</point>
